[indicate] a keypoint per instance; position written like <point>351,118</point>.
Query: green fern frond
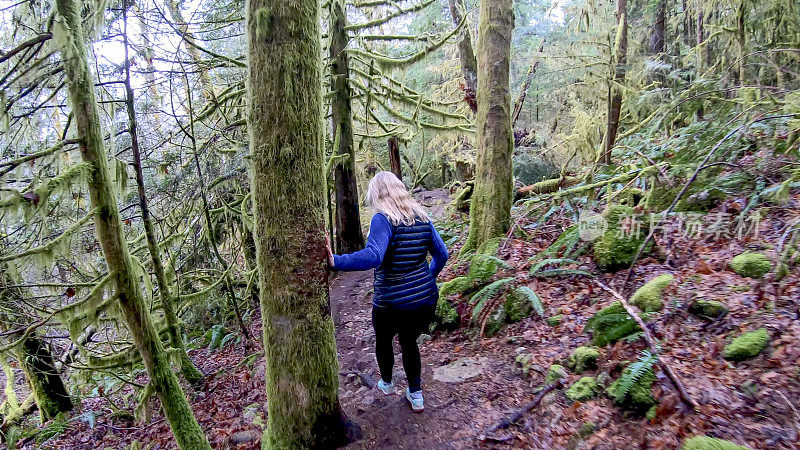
<point>633,374</point>
<point>552,261</point>
<point>533,297</point>
<point>559,272</point>
<point>493,259</point>
<point>488,291</point>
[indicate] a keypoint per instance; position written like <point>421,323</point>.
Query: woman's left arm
<point>380,232</point>
<point>438,252</point>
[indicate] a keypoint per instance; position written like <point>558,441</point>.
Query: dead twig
<point>516,415</point>
<point>653,348</point>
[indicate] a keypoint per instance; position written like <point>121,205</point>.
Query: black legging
<point>407,325</point>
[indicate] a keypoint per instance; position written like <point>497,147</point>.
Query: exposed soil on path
<point>455,413</point>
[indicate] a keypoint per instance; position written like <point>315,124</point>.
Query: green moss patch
<point>612,323</point>
<point>584,389</point>
<point>456,286</point>
<point>648,297</point>
<point>517,306</point>
<point>447,316</point>
<point>709,443</point>
<point>708,308</point>
<point>482,268</point>
<point>556,372</point>
<point>753,265</point>
<point>747,345</point>
<point>553,321</point>
<point>616,248</point>
<point>583,358</point>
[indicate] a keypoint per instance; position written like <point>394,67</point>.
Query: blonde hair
<point>387,194</point>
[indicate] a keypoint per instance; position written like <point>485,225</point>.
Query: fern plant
<point>633,386</point>
<point>529,294</point>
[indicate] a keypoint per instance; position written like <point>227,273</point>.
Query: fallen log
<point>653,348</point>
<point>547,186</point>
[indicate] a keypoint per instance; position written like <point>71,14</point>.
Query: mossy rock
<point>556,372</point>
<point>639,396</point>
<point>456,286</point>
<point>447,317</point>
<point>584,389</point>
<point>480,268</point>
<point>525,361</point>
<point>583,358</point>
<point>554,321</point>
<point>615,250</point>
<point>495,321</point>
<point>612,323</point>
<point>749,264</point>
<point>708,308</point>
<point>517,307</point>
<point>709,443</point>
<point>747,345</point>
<point>648,297</point>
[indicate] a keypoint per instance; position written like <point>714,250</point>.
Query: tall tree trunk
<point>659,30</point>
<point>34,356</point>
<point>349,237</point>
<point>394,157</point>
<point>700,53</point>
<point>523,92</point>
<point>286,142</point>
<point>490,208</point>
<point>192,374</point>
<point>108,226</point>
<point>189,40</point>
<point>469,65</point>
<point>615,98</point>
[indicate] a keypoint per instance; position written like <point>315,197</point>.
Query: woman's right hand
<point>328,249</point>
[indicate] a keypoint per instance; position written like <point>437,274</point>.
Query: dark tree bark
<point>349,237</point>
<point>288,189</point>
<point>490,208</point>
<point>615,87</point>
<point>469,65</point>
<point>657,37</point>
<point>525,86</point>
<point>47,387</point>
<point>394,157</point>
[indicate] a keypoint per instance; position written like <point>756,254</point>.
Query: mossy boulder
<point>709,443</point>
<point>481,267</point>
<point>617,247</point>
<point>648,297</point>
<point>517,306</point>
<point>456,286</point>
<point>747,345</point>
<point>749,264</point>
<point>495,321</point>
<point>612,323</point>
<point>556,372</point>
<point>447,317</point>
<point>638,396</point>
<point>553,321</point>
<point>583,358</point>
<point>708,308</point>
<point>584,389</point>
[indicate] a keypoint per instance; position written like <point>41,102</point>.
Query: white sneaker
<point>415,399</point>
<point>386,388</point>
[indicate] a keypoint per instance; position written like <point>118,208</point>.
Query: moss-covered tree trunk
<point>349,237</point>
<point>190,40</point>
<point>490,208</point>
<point>658,34</point>
<point>469,65</point>
<point>192,374</point>
<point>615,88</point>
<point>284,121</point>
<point>108,226</point>
<point>47,387</point>
<point>35,359</point>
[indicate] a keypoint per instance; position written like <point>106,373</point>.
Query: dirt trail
<point>455,414</point>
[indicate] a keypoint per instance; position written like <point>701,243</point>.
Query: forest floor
<point>471,382</point>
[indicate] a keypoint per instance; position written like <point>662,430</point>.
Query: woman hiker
<point>400,238</point>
